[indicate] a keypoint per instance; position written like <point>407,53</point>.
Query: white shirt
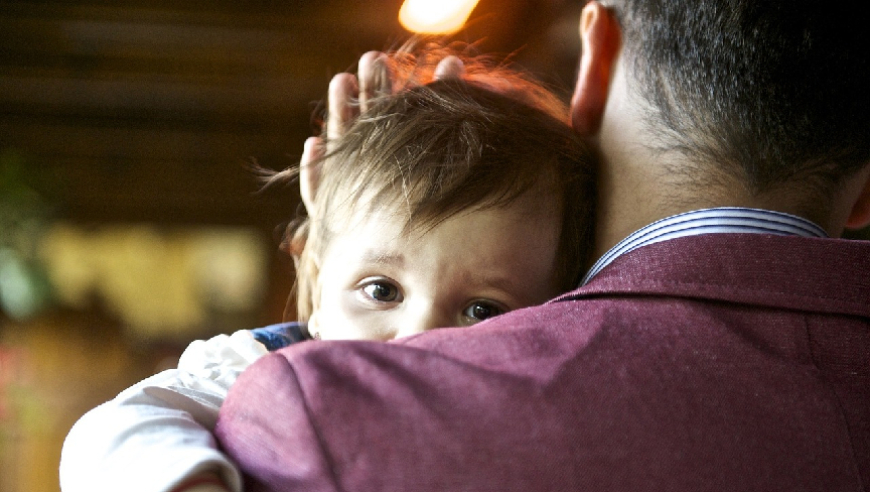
<point>158,432</point>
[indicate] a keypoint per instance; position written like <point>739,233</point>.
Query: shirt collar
<point>733,220</point>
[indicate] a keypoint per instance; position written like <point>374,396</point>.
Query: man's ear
<point>600,36</point>
<point>309,172</point>
<point>859,217</point>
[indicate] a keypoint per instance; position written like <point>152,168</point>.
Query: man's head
<point>438,150</point>
<point>770,94</point>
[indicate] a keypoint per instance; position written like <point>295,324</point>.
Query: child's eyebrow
<point>382,258</point>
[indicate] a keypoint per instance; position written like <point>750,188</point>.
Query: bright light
<point>435,16</point>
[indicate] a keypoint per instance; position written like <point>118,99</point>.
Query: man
<point>724,349</point>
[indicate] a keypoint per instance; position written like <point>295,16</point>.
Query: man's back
<point>725,362</point>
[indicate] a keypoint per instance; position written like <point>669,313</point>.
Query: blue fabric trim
<point>280,335</point>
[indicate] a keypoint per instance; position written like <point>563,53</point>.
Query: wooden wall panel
<point>137,110</point>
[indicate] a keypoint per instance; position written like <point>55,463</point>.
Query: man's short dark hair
<point>773,92</point>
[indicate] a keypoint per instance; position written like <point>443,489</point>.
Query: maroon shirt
<point>724,362</point>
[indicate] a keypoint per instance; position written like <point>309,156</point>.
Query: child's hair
<point>436,148</point>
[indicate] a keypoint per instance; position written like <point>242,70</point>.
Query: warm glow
<point>435,16</point>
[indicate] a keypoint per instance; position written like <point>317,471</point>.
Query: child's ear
<point>294,241</point>
<point>313,326</point>
<point>309,172</point>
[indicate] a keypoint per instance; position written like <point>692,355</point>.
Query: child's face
<point>377,283</point>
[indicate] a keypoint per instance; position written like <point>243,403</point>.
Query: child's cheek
<point>352,318</point>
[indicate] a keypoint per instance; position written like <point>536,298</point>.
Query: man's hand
<point>348,96</point>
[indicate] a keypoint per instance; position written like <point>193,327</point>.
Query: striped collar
<point>710,221</point>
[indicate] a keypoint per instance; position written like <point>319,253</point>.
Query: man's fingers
<point>343,92</point>
<point>374,77</point>
<point>451,67</point>
<point>309,172</point>
<point>312,150</point>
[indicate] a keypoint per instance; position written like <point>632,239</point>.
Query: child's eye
<point>382,291</point>
<point>481,310</point>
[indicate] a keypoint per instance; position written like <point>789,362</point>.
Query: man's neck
<point>633,193</point>
<point>638,185</point>
<point>637,200</point>
<point>637,194</point>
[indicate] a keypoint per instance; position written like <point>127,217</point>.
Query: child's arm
<point>156,435</point>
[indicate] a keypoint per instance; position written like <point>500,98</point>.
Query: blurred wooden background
<point>147,112</point>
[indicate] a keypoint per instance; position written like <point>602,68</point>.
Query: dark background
<point>147,110</point>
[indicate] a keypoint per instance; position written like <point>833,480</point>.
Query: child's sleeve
<point>158,433</point>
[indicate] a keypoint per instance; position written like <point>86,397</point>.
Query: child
<point>444,204</point>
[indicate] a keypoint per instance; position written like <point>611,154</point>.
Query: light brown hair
<point>436,148</point>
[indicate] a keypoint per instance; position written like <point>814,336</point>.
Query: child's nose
<point>424,320</point>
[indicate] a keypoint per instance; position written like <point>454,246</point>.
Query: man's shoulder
<point>668,387</point>
<point>668,286</point>
<point>780,272</point>
<point>543,396</point>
